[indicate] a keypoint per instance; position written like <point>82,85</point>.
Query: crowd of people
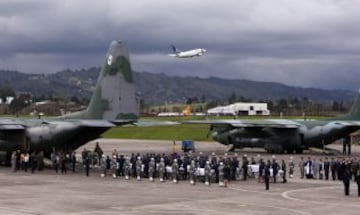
<point>193,167</point>
<point>332,169</point>
<point>23,160</point>
<point>196,167</point>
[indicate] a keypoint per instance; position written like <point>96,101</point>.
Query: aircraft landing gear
<point>290,151</point>
<point>231,148</point>
<point>274,149</point>
<point>299,150</point>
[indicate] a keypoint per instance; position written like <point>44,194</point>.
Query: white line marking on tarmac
<point>253,191</point>
<point>285,195</point>
<point>270,206</point>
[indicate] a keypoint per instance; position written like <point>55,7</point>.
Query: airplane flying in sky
<point>188,53</point>
<point>113,103</point>
<point>278,136</point>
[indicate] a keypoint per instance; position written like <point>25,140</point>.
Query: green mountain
<point>159,88</point>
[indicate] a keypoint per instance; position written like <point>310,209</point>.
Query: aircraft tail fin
<point>174,49</point>
<point>354,113</point>
<point>114,96</point>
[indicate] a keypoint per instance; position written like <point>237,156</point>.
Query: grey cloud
<point>312,43</point>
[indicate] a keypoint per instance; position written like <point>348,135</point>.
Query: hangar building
<point>241,108</point>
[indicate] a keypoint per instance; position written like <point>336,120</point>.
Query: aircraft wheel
<point>290,151</point>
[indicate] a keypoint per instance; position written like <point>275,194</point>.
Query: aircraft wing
<point>249,123</point>
<point>347,123</point>
<point>113,123</point>
<point>88,123</point>
<point>10,124</point>
<point>149,123</point>
<point>121,122</point>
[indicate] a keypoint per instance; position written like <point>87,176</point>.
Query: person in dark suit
<point>73,161</point>
<point>346,176</point>
<point>87,165</point>
<point>358,179</point>
<point>326,168</point>
<point>267,175</point>
<point>283,168</point>
<point>275,168</point>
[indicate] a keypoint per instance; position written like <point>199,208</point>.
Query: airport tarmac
<point>46,192</point>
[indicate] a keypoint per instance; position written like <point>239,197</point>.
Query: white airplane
<point>186,54</point>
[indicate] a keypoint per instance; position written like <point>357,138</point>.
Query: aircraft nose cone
<point>203,50</point>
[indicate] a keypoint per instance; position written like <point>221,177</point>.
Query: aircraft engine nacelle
<point>238,138</point>
<point>267,139</point>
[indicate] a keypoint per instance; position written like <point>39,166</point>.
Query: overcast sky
<point>311,43</point>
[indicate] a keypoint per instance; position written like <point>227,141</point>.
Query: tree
<point>282,105</point>
<point>75,100</point>
<point>335,106</point>
<point>6,92</point>
<point>17,105</point>
<point>232,98</point>
<point>203,99</point>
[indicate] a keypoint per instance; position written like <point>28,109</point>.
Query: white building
<point>240,108</point>
<point>8,101</point>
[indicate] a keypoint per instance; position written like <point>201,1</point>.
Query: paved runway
<point>49,193</point>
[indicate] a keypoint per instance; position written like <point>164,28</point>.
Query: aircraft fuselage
<point>190,53</point>
<point>307,134</point>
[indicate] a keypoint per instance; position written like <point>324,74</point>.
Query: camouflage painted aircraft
<point>279,136</point>
<point>113,103</point>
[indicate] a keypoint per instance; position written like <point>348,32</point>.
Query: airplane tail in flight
<point>174,49</point>
<point>354,113</point>
<point>114,96</point>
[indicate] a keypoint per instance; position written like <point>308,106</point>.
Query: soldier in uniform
<point>114,166</point>
<point>333,169</point>
<point>315,166</point>
<point>13,161</point>
<point>161,169</point>
<point>138,168</point>
<point>245,164</point>
<point>175,170</point>
<point>98,151</point>
<point>234,167</point>
<point>321,169</point>
<point>354,164</point>
<point>302,167</point>
<point>127,167</point>
<point>151,169</point>
<point>261,170</point>
<point>207,173</point>
<point>192,170</point>
<point>221,174</point>
<point>291,167</point>
<point>103,165</point>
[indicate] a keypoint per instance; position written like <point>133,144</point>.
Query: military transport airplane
<point>278,136</point>
<point>188,53</point>
<point>113,103</point>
